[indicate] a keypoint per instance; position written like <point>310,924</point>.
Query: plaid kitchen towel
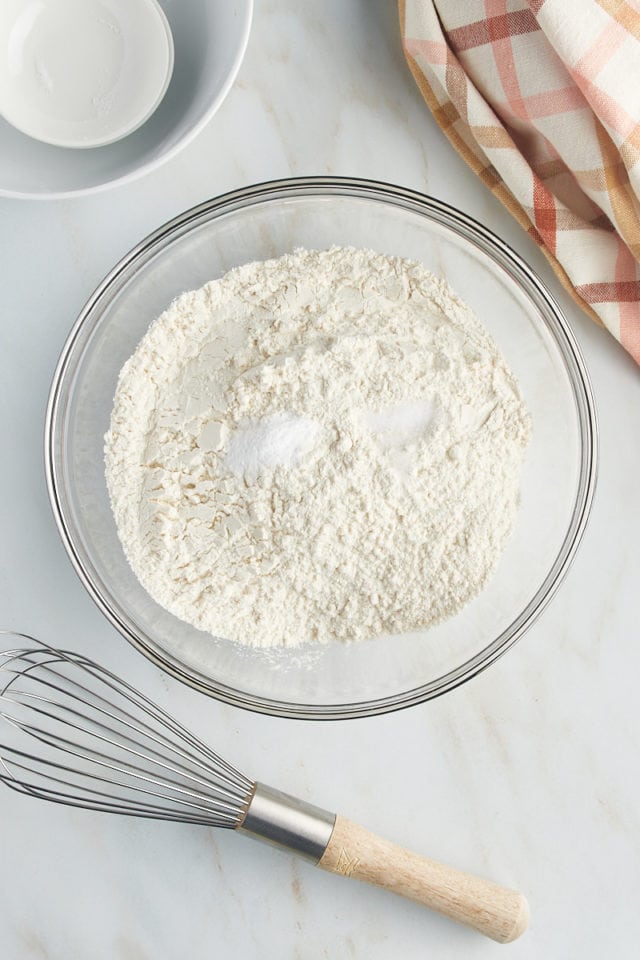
<point>542,99</point>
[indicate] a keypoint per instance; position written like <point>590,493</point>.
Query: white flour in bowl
<point>326,446</point>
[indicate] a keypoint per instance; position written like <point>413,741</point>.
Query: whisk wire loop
<point>108,747</point>
<point>123,742</point>
<point>138,699</point>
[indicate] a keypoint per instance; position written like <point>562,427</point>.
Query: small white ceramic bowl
<point>210,38</point>
<point>82,73</point>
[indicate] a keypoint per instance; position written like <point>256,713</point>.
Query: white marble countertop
<point>527,774</point>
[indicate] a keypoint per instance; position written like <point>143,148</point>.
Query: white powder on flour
<point>326,446</point>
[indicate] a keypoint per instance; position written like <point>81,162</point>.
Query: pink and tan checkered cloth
<point>542,99</point>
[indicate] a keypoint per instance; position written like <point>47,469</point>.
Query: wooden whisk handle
<point>495,911</point>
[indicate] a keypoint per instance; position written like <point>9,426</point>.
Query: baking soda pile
<point>323,447</point>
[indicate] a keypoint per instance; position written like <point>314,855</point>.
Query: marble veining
<point>528,774</point>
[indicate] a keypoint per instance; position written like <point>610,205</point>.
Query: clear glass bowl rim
<point>459,223</point>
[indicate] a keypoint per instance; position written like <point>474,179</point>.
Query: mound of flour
<point>326,446</point>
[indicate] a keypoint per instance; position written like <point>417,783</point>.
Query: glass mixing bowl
<point>332,681</point>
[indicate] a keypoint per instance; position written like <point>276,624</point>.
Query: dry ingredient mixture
<point>322,447</point>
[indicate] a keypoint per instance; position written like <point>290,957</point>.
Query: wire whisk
<point>105,746</point>
<point>76,734</point>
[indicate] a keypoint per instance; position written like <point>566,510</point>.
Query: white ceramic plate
<point>210,38</point>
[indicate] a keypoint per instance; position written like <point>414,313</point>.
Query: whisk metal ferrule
<point>286,821</point>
